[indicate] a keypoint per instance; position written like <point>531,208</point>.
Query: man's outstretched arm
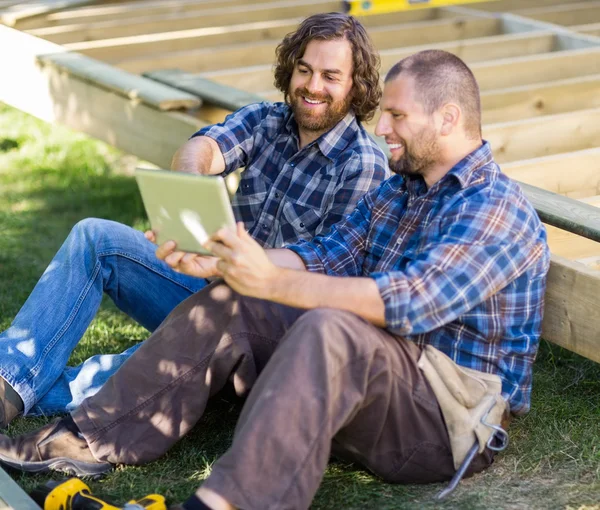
<point>275,275</point>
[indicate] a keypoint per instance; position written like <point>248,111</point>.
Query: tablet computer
<point>185,208</point>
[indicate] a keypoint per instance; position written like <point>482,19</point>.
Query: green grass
<point>50,178</point>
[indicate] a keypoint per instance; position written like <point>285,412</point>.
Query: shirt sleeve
<point>341,251</point>
<point>361,174</point>
<point>478,253</point>
<point>236,134</point>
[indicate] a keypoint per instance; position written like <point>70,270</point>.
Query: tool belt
<point>471,401</point>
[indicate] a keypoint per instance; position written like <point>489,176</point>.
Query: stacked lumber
<point>96,68</point>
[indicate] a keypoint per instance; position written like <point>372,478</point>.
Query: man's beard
<point>309,121</point>
<point>418,157</point>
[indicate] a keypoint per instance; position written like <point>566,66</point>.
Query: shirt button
<point>277,195</point>
<point>292,164</point>
<point>302,225</point>
<point>264,225</point>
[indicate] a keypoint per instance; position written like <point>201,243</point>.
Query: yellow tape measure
<point>366,7</point>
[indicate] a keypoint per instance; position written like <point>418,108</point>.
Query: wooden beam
<point>491,75</point>
<point>571,317</point>
<point>217,100</point>
<point>518,71</point>
<point>540,99</point>
<point>129,85</point>
<point>480,49</point>
<point>123,10</point>
<point>588,28</point>
<point>228,98</point>
<point>543,136</point>
<point>164,23</point>
<point>19,11</point>
<point>57,96</point>
<point>593,200</point>
<point>570,14</point>
<point>565,213</point>
<point>573,174</point>
<point>202,59</point>
<point>514,5</point>
<point>571,246</point>
<point>181,40</point>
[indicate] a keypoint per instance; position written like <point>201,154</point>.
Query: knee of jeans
<point>90,228</point>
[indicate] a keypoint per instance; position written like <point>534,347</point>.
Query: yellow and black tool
<point>367,7</point>
<point>73,494</point>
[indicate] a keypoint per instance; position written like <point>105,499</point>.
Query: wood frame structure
<point>537,62</point>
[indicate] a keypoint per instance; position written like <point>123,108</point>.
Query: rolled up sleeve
<point>235,135</point>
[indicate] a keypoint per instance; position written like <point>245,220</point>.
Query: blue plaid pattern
<point>461,266</point>
<point>285,194</point>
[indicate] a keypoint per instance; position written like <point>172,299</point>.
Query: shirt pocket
<point>252,190</point>
<point>299,222</point>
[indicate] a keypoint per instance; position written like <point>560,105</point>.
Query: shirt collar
<point>464,170</point>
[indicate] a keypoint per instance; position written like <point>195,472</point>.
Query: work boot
<point>57,446</point>
<point>11,404</point>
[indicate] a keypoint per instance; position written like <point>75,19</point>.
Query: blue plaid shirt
<point>286,194</point>
<point>461,266</point>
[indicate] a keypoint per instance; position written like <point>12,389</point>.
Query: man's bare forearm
<point>200,155</point>
<point>286,259</point>
<point>310,290</point>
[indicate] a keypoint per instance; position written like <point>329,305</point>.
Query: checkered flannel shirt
<point>461,266</point>
<point>286,194</point>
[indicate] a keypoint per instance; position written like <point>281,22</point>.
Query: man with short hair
<point>444,263</point>
<point>307,163</point>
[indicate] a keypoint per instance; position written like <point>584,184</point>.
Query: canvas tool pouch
<point>465,397</point>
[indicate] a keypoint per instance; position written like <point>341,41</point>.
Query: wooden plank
<point>480,49</point>
<point>123,10</point>
<point>570,14</point>
<point>163,23</point>
<point>24,10</point>
<point>12,497</point>
<point>433,31</point>
<point>565,213</point>
<point>228,98</point>
<point>56,96</point>
<point>388,35</point>
<point>181,40</point>
<point>594,200</point>
<point>121,82</point>
<point>514,5</point>
<point>540,99</point>
<point>571,174</point>
<point>571,317</point>
<point>588,28</point>
<point>543,136</point>
<point>201,59</point>
<point>495,74</point>
<point>537,68</point>
<point>572,246</point>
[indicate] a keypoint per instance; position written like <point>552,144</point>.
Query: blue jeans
<point>98,256</point>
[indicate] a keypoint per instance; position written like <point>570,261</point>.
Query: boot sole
<point>62,464</point>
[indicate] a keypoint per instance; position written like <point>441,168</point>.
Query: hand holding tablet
<point>185,208</point>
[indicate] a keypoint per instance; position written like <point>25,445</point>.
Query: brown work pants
<point>322,381</point>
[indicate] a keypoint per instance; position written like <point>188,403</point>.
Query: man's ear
<point>450,118</point>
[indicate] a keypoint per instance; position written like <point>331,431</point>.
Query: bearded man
<point>307,163</point>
